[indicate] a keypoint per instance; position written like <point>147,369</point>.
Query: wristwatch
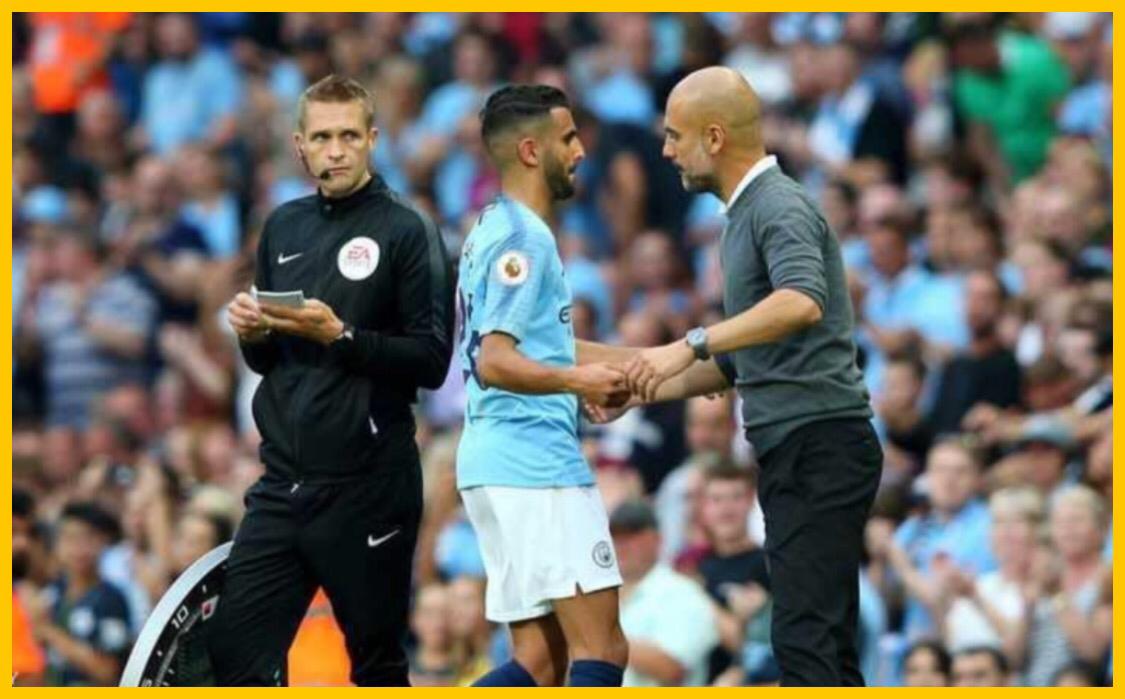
<point>348,333</point>
<point>696,339</point>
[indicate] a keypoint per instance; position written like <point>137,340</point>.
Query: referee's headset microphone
<point>323,176</point>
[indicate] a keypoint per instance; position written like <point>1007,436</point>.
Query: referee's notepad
<point>292,299</point>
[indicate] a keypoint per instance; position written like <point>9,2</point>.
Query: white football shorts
<point>539,545</point>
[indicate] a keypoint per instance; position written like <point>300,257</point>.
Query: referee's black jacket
<point>329,413</point>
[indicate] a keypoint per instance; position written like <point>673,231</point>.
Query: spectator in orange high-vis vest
<point>68,52</point>
<point>28,661</point>
<point>318,657</point>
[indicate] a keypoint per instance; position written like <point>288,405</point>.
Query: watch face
<point>171,650</point>
<point>697,339</point>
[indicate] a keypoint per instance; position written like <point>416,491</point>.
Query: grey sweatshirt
<point>776,238</point>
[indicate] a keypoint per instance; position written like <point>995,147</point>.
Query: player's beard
<point>558,180</point>
<point>20,564</point>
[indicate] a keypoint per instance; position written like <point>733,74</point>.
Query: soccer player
<point>544,533</point>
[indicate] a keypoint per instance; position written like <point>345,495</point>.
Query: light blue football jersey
<point>511,281</point>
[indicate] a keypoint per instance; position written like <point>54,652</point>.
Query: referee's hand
<point>314,321</point>
<point>246,318</point>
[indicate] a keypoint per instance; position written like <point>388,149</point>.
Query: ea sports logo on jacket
<point>358,258</point>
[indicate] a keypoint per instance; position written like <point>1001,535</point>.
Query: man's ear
<point>373,135</point>
<point>713,139</point>
<point>527,150</point>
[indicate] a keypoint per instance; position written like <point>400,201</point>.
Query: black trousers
<point>356,539</point>
<point>816,489</point>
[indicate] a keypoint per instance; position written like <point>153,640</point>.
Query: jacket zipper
<point>302,389</point>
<point>317,251</point>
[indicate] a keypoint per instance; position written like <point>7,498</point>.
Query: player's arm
<point>590,352</point>
<point>512,301</point>
<point>501,365</point>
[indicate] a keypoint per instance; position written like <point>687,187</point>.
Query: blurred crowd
<point>963,159</point>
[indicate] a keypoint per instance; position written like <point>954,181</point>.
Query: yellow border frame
<point>505,5</point>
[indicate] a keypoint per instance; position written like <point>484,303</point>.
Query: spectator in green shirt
<point>1007,87</point>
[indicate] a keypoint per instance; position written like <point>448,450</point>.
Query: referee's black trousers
<point>816,488</point>
<point>355,539</point>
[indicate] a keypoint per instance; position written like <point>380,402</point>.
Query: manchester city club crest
<point>603,554</point>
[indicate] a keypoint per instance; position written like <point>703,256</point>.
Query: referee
<point>340,501</point>
<point>787,347</point>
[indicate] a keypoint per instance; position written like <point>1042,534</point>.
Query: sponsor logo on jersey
<point>358,258</point>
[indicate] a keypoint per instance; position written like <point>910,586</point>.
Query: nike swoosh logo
<point>372,542</point>
<point>282,259</point>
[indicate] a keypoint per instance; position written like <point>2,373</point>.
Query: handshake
<point>609,388</point>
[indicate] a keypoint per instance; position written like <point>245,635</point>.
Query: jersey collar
<point>334,206</point>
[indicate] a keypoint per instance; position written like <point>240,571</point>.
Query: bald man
<point>786,345</point>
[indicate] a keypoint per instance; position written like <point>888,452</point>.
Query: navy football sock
<point>594,673</point>
<point>510,674</point>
